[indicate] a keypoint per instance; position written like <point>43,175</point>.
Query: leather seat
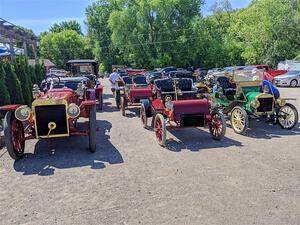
<point>127,80</point>
<point>228,87</point>
<point>165,85</point>
<point>140,80</point>
<point>185,84</point>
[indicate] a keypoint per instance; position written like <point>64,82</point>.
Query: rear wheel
<point>294,83</point>
<point>160,129</point>
<point>288,116</point>
<point>92,129</point>
<point>14,136</point>
<point>143,116</point>
<point>239,120</point>
<point>217,126</point>
<point>123,105</point>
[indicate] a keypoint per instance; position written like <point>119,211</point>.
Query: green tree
<point>66,25</point>
<point>4,94</point>
<point>13,84</point>
<point>63,46</point>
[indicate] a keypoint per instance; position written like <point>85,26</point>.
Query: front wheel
<point>14,136</point>
<point>288,116</point>
<point>92,129</point>
<point>143,116</point>
<point>294,83</point>
<point>100,101</point>
<point>160,129</point>
<point>123,105</point>
<point>217,126</point>
<point>239,120</point>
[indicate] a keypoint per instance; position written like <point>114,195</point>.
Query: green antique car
<point>243,95</point>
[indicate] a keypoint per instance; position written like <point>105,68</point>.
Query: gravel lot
<point>252,179</point>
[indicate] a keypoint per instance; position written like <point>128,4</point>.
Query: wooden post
<point>12,52</point>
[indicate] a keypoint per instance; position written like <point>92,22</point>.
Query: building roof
<point>46,62</point>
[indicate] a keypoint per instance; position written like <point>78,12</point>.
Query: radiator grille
<point>51,113</point>
<point>266,105</point>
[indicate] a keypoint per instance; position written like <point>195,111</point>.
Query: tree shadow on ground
<point>260,129</point>
<point>195,139</point>
<point>65,153</point>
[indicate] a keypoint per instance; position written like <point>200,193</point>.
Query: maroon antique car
<point>133,90</point>
<point>54,113</point>
<point>87,68</point>
<point>177,104</point>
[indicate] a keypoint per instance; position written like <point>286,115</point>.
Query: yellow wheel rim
<point>238,120</point>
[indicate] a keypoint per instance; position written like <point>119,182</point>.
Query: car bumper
<point>282,82</point>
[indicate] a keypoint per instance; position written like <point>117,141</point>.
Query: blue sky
<point>39,15</point>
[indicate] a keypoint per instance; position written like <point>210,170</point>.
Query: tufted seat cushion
<point>228,87</point>
<point>127,80</point>
<point>165,85</point>
<point>185,84</point>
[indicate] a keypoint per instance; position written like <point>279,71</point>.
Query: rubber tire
<point>143,111</point>
<point>295,82</point>
<point>100,101</point>
<point>164,129</point>
<point>92,129</point>
<point>245,115</point>
<point>223,122</point>
<point>7,136</point>
<point>123,105</point>
<point>296,117</point>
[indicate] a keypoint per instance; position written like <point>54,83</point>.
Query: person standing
<point>114,77</point>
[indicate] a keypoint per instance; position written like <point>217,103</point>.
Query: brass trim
<point>50,102</point>
<point>265,95</point>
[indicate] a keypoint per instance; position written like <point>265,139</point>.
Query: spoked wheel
<point>92,129</point>
<point>160,129</point>
<point>14,136</point>
<point>123,105</point>
<point>143,116</point>
<point>239,120</point>
<point>217,126</point>
<point>288,116</point>
<point>100,101</point>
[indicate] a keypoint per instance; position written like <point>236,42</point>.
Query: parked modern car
<point>291,78</point>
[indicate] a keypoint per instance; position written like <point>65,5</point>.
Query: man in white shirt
<point>113,79</point>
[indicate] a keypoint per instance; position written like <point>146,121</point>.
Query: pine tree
<point>21,68</point>
<point>13,84</point>
<point>4,94</point>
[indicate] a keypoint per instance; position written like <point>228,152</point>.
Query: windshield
<point>255,75</point>
<point>293,72</point>
<point>83,69</point>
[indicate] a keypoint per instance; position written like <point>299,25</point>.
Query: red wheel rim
<point>143,116</point>
<point>158,130</point>
<point>17,135</point>
<point>216,125</point>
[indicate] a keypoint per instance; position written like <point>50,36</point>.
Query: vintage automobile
<point>176,103</point>
<point>87,68</point>
<point>245,96</point>
<point>54,113</point>
<point>132,91</point>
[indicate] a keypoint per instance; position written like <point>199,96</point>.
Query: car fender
<point>146,103</point>
<point>85,108</point>
<point>9,107</point>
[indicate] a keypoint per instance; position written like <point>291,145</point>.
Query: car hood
<point>285,76</point>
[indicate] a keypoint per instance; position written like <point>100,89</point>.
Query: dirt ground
<point>253,179</point>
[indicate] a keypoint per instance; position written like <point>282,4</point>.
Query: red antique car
<point>54,113</point>
<point>177,104</point>
<point>133,90</point>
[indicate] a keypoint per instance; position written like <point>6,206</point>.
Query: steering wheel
<point>51,77</point>
<point>49,82</point>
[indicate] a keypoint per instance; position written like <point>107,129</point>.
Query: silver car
<point>291,78</point>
